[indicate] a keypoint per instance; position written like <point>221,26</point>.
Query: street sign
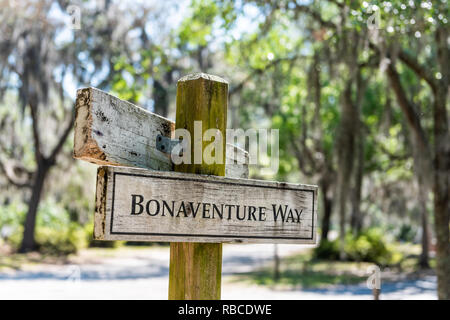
<point>143,205</point>
<point>140,198</point>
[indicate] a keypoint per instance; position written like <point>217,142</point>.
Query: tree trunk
<point>423,187</point>
<point>441,194</point>
<point>345,151</point>
<point>441,209</point>
<point>441,187</point>
<point>424,256</point>
<point>356,219</point>
<point>160,99</point>
<point>276,261</point>
<point>28,241</point>
<point>327,207</point>
<point>440,170</point>
<point>423,197</point>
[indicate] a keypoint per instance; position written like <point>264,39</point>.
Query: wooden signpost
<point>139,197</point>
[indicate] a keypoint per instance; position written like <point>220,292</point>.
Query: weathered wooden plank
<point>115,221</point>
<point>236,163</point>
<point>111,131</point>
<point>195,270</point>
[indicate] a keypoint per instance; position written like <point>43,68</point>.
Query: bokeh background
<point>357,89</point>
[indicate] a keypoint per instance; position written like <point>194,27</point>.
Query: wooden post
<point>376,293</point>
<point>196,268</point>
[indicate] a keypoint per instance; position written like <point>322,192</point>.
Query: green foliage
<point>406,233</point>
<point>367,246</point>
<point>91,243</point>
<point>328,250</point>
<point>270,52</point>
<point>127,90</point>
<point>61,242</point>
<point>196,31</point>
<point>305,279</point>
<point>55,233</point>
<point>11,222</point>
<point>302,270</point>
<point>104,244</point>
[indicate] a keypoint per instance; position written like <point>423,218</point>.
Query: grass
<point>295,278</point>
<point>299,270</point>
<point>302,271</point>
<point>18,261</point>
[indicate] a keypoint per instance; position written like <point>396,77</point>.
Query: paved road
<point>143,274</point>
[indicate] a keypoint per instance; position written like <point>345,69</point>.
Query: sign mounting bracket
<point>165,144</point>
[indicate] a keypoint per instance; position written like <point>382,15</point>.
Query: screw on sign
<point>141,195</point>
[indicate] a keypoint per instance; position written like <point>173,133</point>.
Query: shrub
<point>104,244</point>
<point>12,216</point>
<point>369,246</point>
<point>55,234</point>
<point>97,243</point>
<point>328,250</point>
<point>406,233</point>
<point>61,242</point>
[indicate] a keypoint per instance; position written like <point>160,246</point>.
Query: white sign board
<point>145,205</point>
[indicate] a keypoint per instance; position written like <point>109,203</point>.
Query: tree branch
<point>314,14</point>
<point>337,3</point>
<point>408,109</point>
<point>412,63</point>
<point>300,160</point>
<point>9,168</point>
<point>300,152</point>
<point>62,139</point>
<point>259,71</point>
<point>33,103</point>
<point>393,156</point>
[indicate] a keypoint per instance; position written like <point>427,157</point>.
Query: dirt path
<point>143,274</point>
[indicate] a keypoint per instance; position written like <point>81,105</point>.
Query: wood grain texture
<point>236,162</point>
<point>111,131</point>
<point>196,268</point>
<point>116,185</point>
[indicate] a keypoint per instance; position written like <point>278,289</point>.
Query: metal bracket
<point>165,144</point>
